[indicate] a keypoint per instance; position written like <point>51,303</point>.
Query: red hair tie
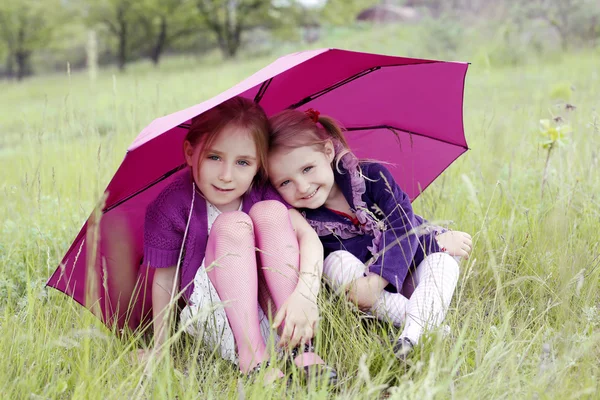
<point>313,114</point>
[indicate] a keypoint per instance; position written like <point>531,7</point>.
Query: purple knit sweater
<point>166,219</point>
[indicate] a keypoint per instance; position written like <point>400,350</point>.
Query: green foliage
<point>508,44</point>
<point>442,37</point>
<point>343,12</point>
<point>554,133</point>
<point>166,22</point>
<point>507,32</point>
<point>28,26</point>
<point>228,20</point>
<point>120,18</point>
<point>577,22</point>
<point>144,28</point>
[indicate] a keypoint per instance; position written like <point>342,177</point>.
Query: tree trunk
<point>22,58</point>
<point>10,65</point>
<point>122,56</point>
<point>160,43</point>
<point>91,51</point>
<point>231,43</point>
<point>594,31</point>
<point>229,48</point>
<point>228,31</point>
<point>235,42</point>
<point>21,55</point>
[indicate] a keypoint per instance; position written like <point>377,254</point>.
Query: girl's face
<point>303,176</point>
<point>227,169</point>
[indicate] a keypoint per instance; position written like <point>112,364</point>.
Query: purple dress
<point>389,237</point>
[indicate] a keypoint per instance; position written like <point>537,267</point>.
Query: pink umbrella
<point>404,111</point>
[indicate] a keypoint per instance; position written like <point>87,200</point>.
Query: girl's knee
<point>341,267</point>
<point>234,225</point>
<point>268,210</point>
<point>338,259</point>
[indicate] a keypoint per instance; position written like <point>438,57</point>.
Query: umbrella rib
<point>348,80</point>
<point>148,186</point>
<point>332,87</point>
<point>154,182</point>
<point>394,128</point>
<point>263,89</point>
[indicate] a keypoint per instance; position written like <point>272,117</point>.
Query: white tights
<point>423,301</point>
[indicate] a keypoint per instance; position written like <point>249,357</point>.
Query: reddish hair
<point>291,129</point>
<point>237,111</point>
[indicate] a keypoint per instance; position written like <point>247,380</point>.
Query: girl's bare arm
<point>162,287</point>
<point>311,256</point>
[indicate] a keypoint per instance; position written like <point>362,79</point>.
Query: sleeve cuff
<point>158,258</point>
<point>434,245</point>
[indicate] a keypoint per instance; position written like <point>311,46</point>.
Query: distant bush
<point>443,37</point>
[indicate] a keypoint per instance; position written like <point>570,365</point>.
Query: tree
<point>228,19</point>
<point>165,21</point>
<point>27,26</point>
<point>4,57</point>
<point>120,17</point>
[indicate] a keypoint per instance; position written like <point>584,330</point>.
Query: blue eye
<point>307,169</point>
<point>214,158</point>
<point>284,183</point>
<point>243,162</point>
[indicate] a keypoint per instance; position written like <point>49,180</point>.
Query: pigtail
<point>336,133</point>
<point>334,129</point>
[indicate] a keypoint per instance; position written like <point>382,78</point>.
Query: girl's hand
<point>455,243</point>
<point>364,292</point>
<point>300,314</point>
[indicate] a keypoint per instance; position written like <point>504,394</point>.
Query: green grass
<point>526,316</point>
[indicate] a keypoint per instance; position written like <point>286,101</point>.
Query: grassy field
<point>526,316</point>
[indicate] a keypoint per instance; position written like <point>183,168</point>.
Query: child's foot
<point>313,366</point>
<point>403,347</point>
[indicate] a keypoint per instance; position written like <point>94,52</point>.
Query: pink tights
<point>232,268</point>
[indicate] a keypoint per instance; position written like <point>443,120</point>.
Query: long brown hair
<point>237,111</point>
<point>291,129</point>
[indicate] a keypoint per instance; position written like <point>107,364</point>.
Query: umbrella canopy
<point>404,111</point>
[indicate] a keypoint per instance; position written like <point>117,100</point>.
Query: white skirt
<point>204,318</point>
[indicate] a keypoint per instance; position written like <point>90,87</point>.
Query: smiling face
<point>303,176</point>
<point>225,170</point>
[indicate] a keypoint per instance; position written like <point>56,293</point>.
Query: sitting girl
<point>201,235</point>
<point>388,260</point>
